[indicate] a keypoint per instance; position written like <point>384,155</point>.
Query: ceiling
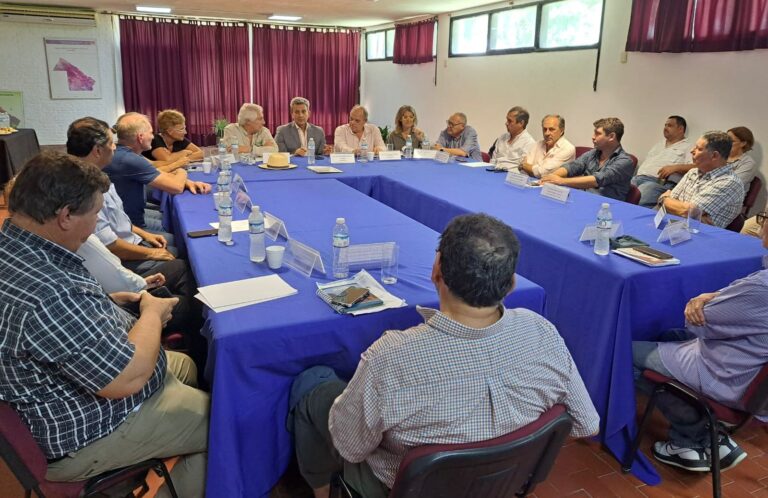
<point>348,13</point>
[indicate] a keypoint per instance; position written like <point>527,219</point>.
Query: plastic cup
<point>389,264</point>
<point>390,147</point>
<point>207,167</point>
<point>369,155</point>
<point>693,222</point>
<point>275,257</point>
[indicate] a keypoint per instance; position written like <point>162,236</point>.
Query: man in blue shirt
<point>131,172</point>
<point>606,169</point>
<point>459,139</point>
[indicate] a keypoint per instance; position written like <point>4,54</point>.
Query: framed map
<point>73,68</point>
<point>13,103</point>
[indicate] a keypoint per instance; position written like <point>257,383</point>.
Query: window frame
<point>386,57</point>
<point>537,36</point>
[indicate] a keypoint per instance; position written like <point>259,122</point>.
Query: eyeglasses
<point>760,217</point>
<point>178,129</point>
<point>453,125</point>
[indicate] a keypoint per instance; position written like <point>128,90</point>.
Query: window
<point>545,25</point>
<point>379,45</point>
<point>513,29</point>
<point>570,23</point>
<point>469,35</point>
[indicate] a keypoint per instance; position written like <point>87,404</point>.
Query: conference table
<point>256,351</point>
<point>600,304</point>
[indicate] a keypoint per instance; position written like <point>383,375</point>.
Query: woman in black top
<point>170,145</point>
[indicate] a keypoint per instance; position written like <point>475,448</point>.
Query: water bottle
<point>222,148</point>
<point>408,147</point>
<point>604,222</point>
<point>256,228</point>
<point>226,164</point>
<point>225,220</point>
<point>311,151</point>
<point>5,120</point>
<point>425,144</point>
<point>340,244</point>
<point>223,181</point>
<point>363,151</point>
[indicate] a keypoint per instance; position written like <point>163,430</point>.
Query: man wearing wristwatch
<point>459,139</point>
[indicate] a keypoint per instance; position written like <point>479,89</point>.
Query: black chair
<point>29,465</point>
<point>754,401</point>
<point>510,465</point>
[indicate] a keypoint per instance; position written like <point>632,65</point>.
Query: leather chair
<point>749,200</point>
<point>753,401</point>
<point>27,462</point>
<point>633,196</point>
<point>506,466</point>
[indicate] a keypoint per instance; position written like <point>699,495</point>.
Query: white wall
<point>23,67</point>
<point>711,90</point>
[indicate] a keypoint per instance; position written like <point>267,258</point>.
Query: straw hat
<point>278,161</point>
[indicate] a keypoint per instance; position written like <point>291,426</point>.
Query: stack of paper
<point>232,295</point>
<point>365,280</point>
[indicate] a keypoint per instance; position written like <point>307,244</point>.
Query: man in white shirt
<point>347,137</point>
<point>659,172</point>
<point>551,152</point>
<point>513,147</point>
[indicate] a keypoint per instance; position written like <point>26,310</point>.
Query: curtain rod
<point>202,19</point>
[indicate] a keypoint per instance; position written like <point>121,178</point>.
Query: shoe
<point>695,460</point>
<point>730,453</point>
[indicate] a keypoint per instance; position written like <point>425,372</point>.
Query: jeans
<point>688,427</point>
<point>650,189</point>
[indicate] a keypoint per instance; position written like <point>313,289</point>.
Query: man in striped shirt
<point>89,379</point>
<point>472,371</point>
<point>721,350</point>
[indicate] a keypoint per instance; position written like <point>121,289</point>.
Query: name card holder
<point>590,232</point>
<point>555,192</point>
<point>368,255</point>
<point>675,232</point>
<point>274,227</point>
<point>303,258</point>
<point>424,153</point>
<point>516,179</point>
<point>658,220</point>
<point>243,202</point>
<point>442,157</point>
<point>390,155</point>
<point>238,184</point>
<point>342,158</point>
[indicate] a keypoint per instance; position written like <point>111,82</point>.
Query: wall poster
<point>73,68</point>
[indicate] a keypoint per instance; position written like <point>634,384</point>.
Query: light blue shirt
<point>467,142</point>
<point>112,222</point>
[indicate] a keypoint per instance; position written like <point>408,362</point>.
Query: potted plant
<point>384,132</point>
<point>218,127</point>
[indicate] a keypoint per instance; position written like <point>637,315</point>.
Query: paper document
<point>231,295</point>
<point>324,169</point>
<point>240,225</point>
<point>476,164</point>
<point>365,280</point>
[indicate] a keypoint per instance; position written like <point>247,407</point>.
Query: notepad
<point>231,295</point>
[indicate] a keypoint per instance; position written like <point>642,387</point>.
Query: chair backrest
<point>24,457</point>
<point>581,150</point>
<point>737,224</point>
<point>503,466</point>
<point>755,397</point>
<point>486,156</point>
<point>749,200</point>
<point>633,196</point>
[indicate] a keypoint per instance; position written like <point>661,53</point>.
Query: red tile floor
<point>584,469</point>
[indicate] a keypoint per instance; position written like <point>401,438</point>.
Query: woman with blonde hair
<point>405,124</point>
<point>170,143</point>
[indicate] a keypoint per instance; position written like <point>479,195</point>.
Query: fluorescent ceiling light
<point>154,10</point>
<point>277,17</point>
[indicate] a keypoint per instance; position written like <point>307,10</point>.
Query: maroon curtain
<point>413,42</point>
<point>660,26</point>
<point>199,69</point>
<point>320,65</point>
<point>723,25</point>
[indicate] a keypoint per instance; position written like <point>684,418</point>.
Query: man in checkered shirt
<point>711,185</point>
<point>89,379</point>
<point>472,371</point>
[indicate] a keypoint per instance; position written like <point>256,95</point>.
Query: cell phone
<point>161,291</point>
<point>350,296</point>
<point>203,233</point>
<point>495,170</point>
<point>650,251</point>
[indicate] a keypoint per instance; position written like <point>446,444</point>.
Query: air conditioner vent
<point>43,14</point>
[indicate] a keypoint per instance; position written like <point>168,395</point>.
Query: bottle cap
<point>254,209</point>
<point>340,221</point>
<point>606,205</point>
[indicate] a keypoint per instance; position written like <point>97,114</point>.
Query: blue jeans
<point>688,428</point>
<point>650,189</point>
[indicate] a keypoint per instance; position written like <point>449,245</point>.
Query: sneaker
<point>695,460</point>
<point>730,453</point>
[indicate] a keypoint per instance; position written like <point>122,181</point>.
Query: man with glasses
<point>459,139</point>
<point>753,224</point>
<point>721,350</point>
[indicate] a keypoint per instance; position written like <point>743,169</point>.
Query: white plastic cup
<point>370,155</point>
<point>207,167</point>
<point>389,265</point>
<point>275,257</point>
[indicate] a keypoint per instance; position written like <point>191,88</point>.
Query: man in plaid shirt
<point>472,371</point>
<point>711,185</point>
<point>89,379</point>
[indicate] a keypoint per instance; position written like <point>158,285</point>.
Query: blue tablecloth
<point>255,352</point>
<point>599,304</point>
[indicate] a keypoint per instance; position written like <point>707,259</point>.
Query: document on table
<point>475,164</point>
<point>240,225</point>
<point>231,295</point>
